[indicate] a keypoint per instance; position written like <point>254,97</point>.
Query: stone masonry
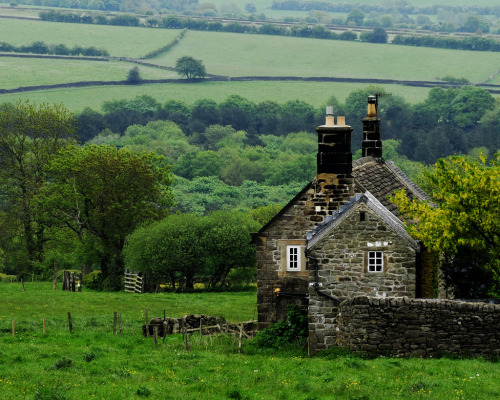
<point>341,262</point>
<point>404,327</point>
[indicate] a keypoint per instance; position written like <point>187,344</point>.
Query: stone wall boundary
<point>404,327</point>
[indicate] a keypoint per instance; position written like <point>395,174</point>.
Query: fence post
<point>114,323</point>
<point>13,328</point>
<point>44,326</point>
<point>241,335</point>
<point>155,335</point>
<point>70,323</point>
<point>120,323</point>
<point>55,276</point>
<point>147,321</point>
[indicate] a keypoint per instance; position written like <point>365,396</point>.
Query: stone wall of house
<point>341,262</point>
<point>406,327</point>
<point>309,208</point>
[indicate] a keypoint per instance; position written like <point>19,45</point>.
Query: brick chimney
<point>334,164</point>
<point>372,145</point>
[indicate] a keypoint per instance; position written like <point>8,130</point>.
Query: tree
<point>133,77</point>
<point>355,17</point>
<point>467,215</point>
<point>190,68</point>
<point>167,251</point>
<point>106,193</point>
<point>227,244</point>
<point>30,136</point>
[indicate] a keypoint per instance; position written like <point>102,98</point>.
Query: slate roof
<point>322,229</point>
<point>382,178</point>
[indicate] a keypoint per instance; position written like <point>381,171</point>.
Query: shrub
<point>293,329</point>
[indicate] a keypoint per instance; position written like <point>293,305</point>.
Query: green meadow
<point>93,363</point>
<point>225,54</point>
<point>314,93</point>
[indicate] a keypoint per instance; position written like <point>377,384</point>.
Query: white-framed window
<point>375,261</point>
<point>293,258</point>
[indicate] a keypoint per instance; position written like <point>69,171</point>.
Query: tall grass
<point>93,363</point>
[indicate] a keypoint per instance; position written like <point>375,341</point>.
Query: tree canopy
<point>190,68</point>
<point>465,218</point>
<point>30,136</point>
<point>106,193</point>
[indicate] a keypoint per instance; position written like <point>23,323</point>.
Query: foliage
<point>30,136</point>
<point>106,193</point>
<point>190,68</point>
<point>292,330</point>
<point>466,219</point>
<point>185,248</point>
<point>133,76</point>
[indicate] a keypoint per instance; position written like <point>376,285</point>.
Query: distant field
<point>243,55</point>
<point>224,54</point>
<point>35,71</point>
<point>314,93</point>
<point>119,41</point>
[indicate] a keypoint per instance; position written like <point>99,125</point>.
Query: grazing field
<point>93,363</point>
<point>36,71</point>
<point>314,93</point>
<point>225,54</point>
<point>259,55</point>
<point>119,41</point>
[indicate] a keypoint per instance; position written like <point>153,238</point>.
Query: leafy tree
<point>227,244</point>
<point>199,163</point>
<point>133,76</point>
<point>106,192</point>
<point>355,17</point>
<point>167,251</point>
<point>30,136</point>
<point>467,216</point>
<point>238,112</point>
<point>190,68</point>
<point>469,106</point>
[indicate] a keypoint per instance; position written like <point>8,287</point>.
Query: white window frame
<point>375,261</point>
<point>293,258</point>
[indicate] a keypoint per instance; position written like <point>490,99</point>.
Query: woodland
<point>96,189</point>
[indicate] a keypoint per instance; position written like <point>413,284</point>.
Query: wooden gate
<point>134,283</point>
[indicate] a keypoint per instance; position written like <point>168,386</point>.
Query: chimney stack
<point>372,144</point>
<point>334,146</point>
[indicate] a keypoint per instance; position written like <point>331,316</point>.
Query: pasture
<point>314,93</point>
<point>94,363</point>
<point>224,54</point>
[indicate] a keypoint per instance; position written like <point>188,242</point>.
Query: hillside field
<point>93,363</point>
<point>224,54</point>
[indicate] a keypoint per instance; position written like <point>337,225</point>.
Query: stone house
<point>340,237</point>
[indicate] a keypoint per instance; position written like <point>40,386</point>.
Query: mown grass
<point>119,41</point>
<point>37,71</point>
<point>261,55</point>
<point>314,93</point>
<point>93,363</point>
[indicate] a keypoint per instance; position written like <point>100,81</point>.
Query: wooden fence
<point>134,283</point>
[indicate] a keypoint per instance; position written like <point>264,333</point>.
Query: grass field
<point>119,41</point>
<point>93,363</point>
<point>225,54</point>
<point>314,93</point>
<point>33,71</point>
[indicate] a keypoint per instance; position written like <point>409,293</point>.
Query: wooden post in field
<point>44,326</point>
<point>241,335</point>
<point>120,323</point>
<point>155,335</point>
<point>54,285</point>
<point>201,327</point>
<point>13,328</point>
<point>147,321</point>
<point>70,323</point>
<point>114,323</point>
<point>22,283</point>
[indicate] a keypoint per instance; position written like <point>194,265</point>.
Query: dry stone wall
<point>400,326</point>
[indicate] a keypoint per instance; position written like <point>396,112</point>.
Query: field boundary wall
<point>405,327</point>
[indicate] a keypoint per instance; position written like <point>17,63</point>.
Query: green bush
<point>292,330</point>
